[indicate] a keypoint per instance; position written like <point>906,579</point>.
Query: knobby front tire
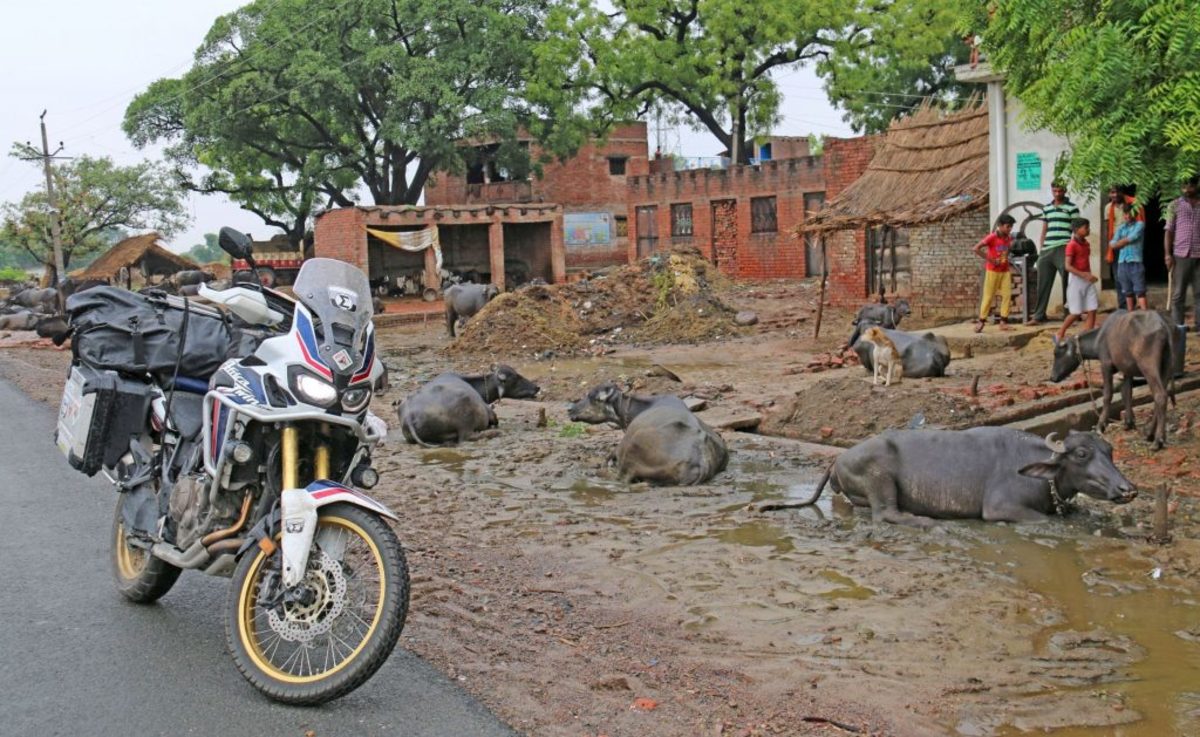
<point>330,643</point>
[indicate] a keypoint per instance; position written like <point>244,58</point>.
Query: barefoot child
<point>1131,272</point>
<point>993,248</point>
<point>1082,297</point>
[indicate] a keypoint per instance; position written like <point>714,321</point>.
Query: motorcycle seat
<point>187,413</point>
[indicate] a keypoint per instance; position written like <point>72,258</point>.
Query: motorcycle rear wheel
<point>310,653</point>
<point>140,577</point>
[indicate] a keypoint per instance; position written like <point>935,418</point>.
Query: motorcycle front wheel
<point>140,577</point>
<point>329,634</point>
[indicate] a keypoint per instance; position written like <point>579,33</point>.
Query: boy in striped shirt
<point>1056,233</point>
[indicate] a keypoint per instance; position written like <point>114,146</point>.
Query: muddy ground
<point>574,605</point>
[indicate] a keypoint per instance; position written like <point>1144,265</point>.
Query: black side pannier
<point>118,330</point>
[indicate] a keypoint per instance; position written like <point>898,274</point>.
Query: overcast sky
<point>84,60</point>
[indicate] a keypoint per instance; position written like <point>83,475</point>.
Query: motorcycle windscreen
<point>339,297</point>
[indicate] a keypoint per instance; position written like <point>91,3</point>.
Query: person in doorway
<point>1082,298</point>
<point>1183,250</point>
<point>1114,216</point>
<point>993,248</point>
<point>1131,271</point>
<point>1056,233</point>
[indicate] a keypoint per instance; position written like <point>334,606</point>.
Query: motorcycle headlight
<point>314,391</point>
<point>355,399</point>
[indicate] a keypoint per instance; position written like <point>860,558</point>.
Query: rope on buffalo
<point>1087,379</point>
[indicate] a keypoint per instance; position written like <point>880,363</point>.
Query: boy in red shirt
<point>993,248</point>
<point>1082,297</point>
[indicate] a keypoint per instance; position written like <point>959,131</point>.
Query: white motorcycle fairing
<point>298,520</point>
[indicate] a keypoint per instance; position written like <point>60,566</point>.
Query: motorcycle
<point>250,472</point>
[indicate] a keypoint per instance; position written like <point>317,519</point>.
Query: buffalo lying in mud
<point>923,356</point>
<point>993,473</point>
<point>1137,343</point>
<point>452,407</point>
<point>884,315</point>
<point>664,442</point>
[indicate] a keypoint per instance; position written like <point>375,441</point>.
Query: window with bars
<point>762,215</point>
<point>622,226</point>
<point>616,165</point>
<point>681,219</point>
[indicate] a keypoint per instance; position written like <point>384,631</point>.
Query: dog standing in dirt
<point>884,356</point>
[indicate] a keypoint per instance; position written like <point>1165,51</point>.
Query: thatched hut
<point>906,226</point>
<point>140,254</point>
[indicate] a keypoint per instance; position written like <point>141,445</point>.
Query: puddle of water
<point>452,460</point>
<point>758,534</point>
<point>591,492</point>
<point>1122,599</point>
<point>849,588</point>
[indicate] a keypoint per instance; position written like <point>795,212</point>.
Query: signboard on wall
<point>587,228</point>
<point>1029,171</point>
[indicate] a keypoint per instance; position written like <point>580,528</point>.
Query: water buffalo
<point>452,408</point>
<point>993,473</point>
<point>23,320</point>
<point>38,300</point>
<point>923,356</point>
<point>664,442</point>
<point>1135,343</point>
<point>191,277</point>
<point>464,300</point>
<point>884,315</point>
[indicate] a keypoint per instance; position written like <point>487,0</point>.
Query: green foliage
<point>1119,78</point>
<point>572,430</point>
<point>711,61</point>
<point>12,274</point>
<point>294,101</point>
<point>206,252</point>
<point>96,199</point>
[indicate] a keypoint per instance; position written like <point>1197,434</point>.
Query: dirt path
<point>574,605</point>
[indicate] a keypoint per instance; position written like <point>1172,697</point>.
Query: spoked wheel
<point>139,576</point>
<point>325,637</point>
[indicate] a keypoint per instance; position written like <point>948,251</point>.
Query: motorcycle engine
<point>189,499</point>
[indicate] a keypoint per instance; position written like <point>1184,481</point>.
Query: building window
<point>616,165</point>
<point>762,215</point>
<point>681,219</point>
<point>622,225</point>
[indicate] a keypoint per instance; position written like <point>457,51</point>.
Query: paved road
<point>76,659</point>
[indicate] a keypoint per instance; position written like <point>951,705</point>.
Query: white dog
<point>884,356</point>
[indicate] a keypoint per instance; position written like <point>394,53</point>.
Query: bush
<point>13,274</point>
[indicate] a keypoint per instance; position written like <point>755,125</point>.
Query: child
<point>1131,272</point>
<point>1082,298</point>
<point>993,248</point>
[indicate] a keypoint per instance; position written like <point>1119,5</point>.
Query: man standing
<point>1056,233</point>
<point>1183,250</point>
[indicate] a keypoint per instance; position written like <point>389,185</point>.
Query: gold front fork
<point>291,457</point>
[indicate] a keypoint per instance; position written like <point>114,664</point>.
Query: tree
<point>1117,78</point>
<point>888,79</point>
<point>96,198</point>
<point>206,252</point>
<point>713,61</point>
<point>291,102</point>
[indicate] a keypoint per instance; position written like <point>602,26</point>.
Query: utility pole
<point>52,199</point>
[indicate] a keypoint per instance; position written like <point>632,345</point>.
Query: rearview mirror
<point>235,243</point>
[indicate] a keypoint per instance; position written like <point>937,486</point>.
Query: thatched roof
<point>140,252</point>
<point>931,166</point>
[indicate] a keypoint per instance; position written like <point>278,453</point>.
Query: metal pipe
<point>222,547</point>
<point>193,557</point>
<point>216,535</point>
<point>291,457</point>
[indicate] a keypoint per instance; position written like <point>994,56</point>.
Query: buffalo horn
<point>1054,444</point>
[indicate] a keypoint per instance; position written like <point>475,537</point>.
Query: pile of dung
<point>668,298</point>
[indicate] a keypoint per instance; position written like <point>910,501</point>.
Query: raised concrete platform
<point>965,342</point>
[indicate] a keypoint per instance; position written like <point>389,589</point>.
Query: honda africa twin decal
<point>247,386</point>
<point>308,344</point>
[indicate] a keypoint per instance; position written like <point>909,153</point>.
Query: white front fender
<point>298,520</point>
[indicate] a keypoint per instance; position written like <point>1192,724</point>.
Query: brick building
<point>589,187</point>
<point>744,218</point>
<point>905,227</point>
<point>500,244</point>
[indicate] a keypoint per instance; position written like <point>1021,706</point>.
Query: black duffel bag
<point>134,333</point>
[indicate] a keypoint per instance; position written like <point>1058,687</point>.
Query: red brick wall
<point>744,254</point>
<point>845,161</point>
<point>580,184</point>
<point>339,234</point>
